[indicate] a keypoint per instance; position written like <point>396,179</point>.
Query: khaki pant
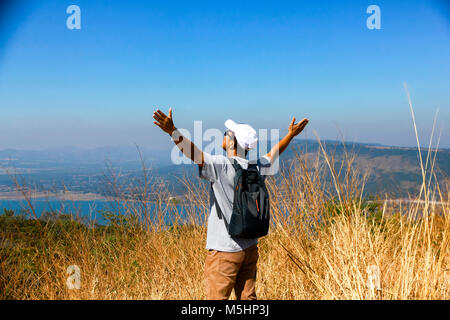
<point>227,270</point>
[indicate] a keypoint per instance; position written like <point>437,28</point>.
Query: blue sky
<point>259,62</point>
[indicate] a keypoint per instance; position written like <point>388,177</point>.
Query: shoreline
<point>65,196</point>
<point>73,196</point>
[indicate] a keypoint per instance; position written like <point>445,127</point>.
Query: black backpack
<point>251,206</point>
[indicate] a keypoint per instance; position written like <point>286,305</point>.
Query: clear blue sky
<point>259,62</point>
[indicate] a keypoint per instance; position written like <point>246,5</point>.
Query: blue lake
<point>92,209</point>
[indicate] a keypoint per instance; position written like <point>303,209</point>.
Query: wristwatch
<point>176,136</point>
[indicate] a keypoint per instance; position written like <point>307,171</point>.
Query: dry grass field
<point>326,242</point>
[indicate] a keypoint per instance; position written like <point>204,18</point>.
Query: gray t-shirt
<point>219,170</point>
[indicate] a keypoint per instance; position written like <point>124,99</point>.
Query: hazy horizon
<point>169,146</point>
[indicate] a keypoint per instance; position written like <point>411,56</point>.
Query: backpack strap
<point>218,209</point>
<point>239,172</point>
<point>237,168</point>
<point>236,165</point>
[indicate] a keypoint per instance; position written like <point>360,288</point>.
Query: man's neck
<point>231,153</point>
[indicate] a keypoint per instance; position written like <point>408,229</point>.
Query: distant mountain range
<point>393,170</point>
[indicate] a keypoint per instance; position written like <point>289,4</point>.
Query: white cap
<point>245,134</point>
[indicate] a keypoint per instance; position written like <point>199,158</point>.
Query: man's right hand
<point>163,121</point>
<point>296,128</point>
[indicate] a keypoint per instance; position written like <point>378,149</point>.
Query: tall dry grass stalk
<point>324,240</point>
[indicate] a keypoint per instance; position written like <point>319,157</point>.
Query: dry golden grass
<point>323,239</point>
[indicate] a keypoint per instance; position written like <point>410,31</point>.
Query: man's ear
<point>232,143</point>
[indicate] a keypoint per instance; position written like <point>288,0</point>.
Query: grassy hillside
<point>391,171</point>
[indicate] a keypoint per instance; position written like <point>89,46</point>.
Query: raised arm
<point>294,130</point>
<point>186,146</point>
